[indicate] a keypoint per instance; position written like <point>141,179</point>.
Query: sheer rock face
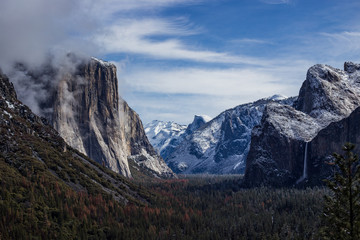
<point>91,117</point>
<point>86,114</point>
<point>329,140</point>
<point>277,150</point>
<point>84,106</point>
<point>198,122</point>
<point>278,145</point>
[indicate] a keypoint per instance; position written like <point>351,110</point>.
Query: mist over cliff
<point>80,98</point>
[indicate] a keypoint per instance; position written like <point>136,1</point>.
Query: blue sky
<point>240,51</point>
<point>177,58</point>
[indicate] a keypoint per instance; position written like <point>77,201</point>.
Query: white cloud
<point>250,41</point>
<point>276,1</point>
<point>343,42</point>
<point>106,8</point>
<point>333,48</point>
<point>205,81</point>
<point>186,106</point>
<point>184,92</point>
<point>134,36</point>
<point>99,27</point>
<point>32,29</point>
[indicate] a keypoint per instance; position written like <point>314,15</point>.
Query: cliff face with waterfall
<point>323,118</point>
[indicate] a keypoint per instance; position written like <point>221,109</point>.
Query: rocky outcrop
<point>11,107</point>
<point>221,145</point>
<point>278,146</point>
<point>18,124</point>
<point>329,94</point>
<point>85,108</point>
<point>7,90</point>
<point>139,148</point>
<point>197,123</point>
<point>283,151</point>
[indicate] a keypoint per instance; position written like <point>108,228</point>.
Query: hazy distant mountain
<point>164,135</point>
<point>219,146</point>
<point>167,136</point>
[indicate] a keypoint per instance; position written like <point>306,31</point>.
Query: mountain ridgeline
<point>219,146</point>
<point>167,136</point>
<point>293,145</point>
<point>279,141</point>
<point>85,108</point>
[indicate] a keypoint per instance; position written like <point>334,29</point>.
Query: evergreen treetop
<point>342,207</point>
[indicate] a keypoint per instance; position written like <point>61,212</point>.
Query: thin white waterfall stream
<point>302,178</point>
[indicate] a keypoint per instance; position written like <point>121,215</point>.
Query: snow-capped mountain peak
<point>199,121</point>
<point>159,127</point>
<point>219,146</point>
<point>163,135</point>
<point>277,97</point>
<point>166,136</point>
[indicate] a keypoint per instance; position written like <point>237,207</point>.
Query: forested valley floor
<point>197,207</point>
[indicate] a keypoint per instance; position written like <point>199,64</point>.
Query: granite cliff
<point>32,151</point>
<point>293,144</point>
<point>84,106</point>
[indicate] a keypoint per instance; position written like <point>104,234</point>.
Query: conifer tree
<point>341,218</point>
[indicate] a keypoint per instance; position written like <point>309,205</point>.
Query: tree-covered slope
<point>49,190</point>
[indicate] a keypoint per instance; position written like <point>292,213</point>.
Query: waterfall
<point>302,178</point>
<point>305,161</point>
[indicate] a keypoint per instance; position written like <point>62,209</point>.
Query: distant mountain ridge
<point>219,146</point>
<point>166,136</point>
<point>278,141</point>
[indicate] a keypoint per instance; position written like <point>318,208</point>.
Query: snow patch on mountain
<point>292,123</point>
<point>329,94</point>
<point>162,134</point>
<point>221,145</point>
<point>277,97</point>
<point>167,136</point>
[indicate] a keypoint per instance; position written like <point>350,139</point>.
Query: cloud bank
<point>32,32</point>
<point>34,29</point>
